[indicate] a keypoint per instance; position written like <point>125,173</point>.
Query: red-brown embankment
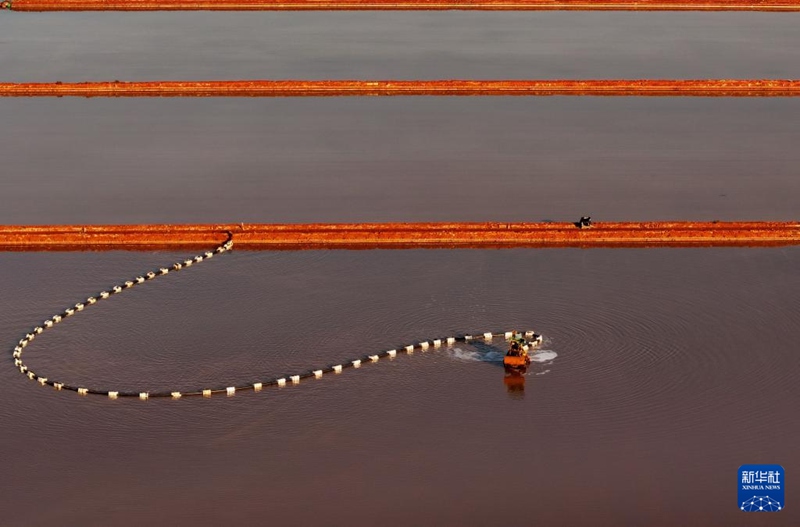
<point>397,235</point>
<point>341,88</point>
<point>399,5</point>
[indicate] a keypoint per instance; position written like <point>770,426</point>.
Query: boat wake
<point>543,356</point>
<point>477,356</point>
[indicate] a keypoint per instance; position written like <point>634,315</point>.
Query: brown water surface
<point>673,366</point>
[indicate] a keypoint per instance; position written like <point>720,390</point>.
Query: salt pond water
<point>666,369</point>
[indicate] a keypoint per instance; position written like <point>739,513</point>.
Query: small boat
<point>517,357</point>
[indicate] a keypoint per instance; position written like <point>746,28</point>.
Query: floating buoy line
<point>285,380</point>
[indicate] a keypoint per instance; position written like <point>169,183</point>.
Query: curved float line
<point>229,390</point>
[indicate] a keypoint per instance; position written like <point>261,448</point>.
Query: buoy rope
<point>228,390</point>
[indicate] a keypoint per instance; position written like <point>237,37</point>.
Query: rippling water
<point>673,367</point>
<point>661,372</point>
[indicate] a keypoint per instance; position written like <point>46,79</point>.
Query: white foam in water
<point>477,356</point>
<point>543,356</point>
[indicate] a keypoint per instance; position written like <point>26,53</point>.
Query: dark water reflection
<point>674,366</point>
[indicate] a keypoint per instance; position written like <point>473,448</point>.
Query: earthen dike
<point>386,88</point>
<point>399,5</point>
<point>261,237</point>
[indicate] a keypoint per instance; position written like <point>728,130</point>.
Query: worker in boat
<point>517,343</point>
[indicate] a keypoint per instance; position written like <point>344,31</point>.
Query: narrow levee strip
<point>399,5</point>
<point>398,235</point>
<point>385,88</point>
